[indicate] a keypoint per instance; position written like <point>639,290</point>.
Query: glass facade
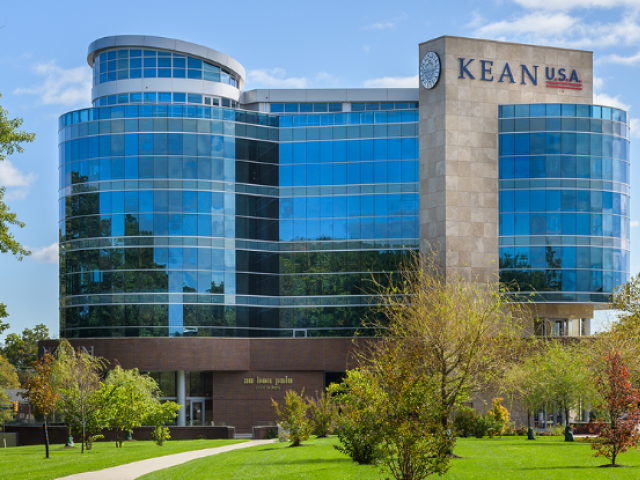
<point>124,63</point>
<point>564,200</point>
<point>188,220</point>
<point>163,97</point>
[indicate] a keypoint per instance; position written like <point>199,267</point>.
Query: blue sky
<point>282,44</point>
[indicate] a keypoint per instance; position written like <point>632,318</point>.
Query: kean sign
<point>555,78</point>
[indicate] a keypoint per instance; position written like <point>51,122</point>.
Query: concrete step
<point>243,436</point>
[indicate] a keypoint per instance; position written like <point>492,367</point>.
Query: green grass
<point>30,463</point>
<point>547,458</point>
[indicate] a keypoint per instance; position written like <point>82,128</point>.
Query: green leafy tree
<point>125,398</point>
<point>523,382</point>
<point>358,422</point>
<point>8,375</point>
<point>397,403</point>
<point>3,314</point>
<point>567,381</point>
<point>8,379</point>
<point>77,378</point>
<point>22,350</point>
<point>464,421</point>
<point>11,140</point>
<point>292,417</point>
<point>159,415</point>
<point>41,393</point>
<point>553,372</point>
<point>460,333</point>
<point>415,443</point>
<point>323,414</point>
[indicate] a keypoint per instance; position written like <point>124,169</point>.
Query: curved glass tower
<point>564,201</point>
<point>183,215</point>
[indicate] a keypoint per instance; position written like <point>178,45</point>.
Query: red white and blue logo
<point>560,80</point>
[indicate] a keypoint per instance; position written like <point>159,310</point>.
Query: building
<point>222,239</point>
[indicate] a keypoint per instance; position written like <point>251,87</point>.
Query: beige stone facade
<point>459,139</point>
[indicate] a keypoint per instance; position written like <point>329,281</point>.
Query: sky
<point>282,44</point>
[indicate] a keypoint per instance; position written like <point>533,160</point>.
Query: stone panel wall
<point>459,141</point>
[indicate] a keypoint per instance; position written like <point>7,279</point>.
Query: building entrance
<point>195,411</point>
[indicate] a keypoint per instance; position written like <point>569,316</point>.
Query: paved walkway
<point>131,471</point>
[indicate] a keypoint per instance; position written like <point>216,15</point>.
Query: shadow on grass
<point>585,467</point>
<point>310,461</point>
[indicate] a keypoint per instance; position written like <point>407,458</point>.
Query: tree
<point>625,301</point>
<point>41,393</point>
<point>415,443</point>
<point>357,423</point>
<point>567,380</point>
<point>159,415</point>
<point>125,399</point>
<point>8,375</point>
<point>11,139</point>
<point>8,379</point>
<point>22,350</point>
<point>461,334</point>
<point>323,414</point>
<point>77,379</point>
<point>524,383</point>
<point>617,426</point>
<point>3,314</point>
<point>292,417</point>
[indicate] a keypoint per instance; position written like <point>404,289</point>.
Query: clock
<point>430,70</point>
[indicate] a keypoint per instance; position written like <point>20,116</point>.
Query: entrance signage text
<point>268,383</point>
<point>487,72</point>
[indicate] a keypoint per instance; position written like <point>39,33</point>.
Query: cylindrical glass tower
<point>564,201</point>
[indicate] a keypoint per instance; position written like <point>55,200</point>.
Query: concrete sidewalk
<point>131,471</point>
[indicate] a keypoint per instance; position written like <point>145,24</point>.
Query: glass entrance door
<point>196,412</point>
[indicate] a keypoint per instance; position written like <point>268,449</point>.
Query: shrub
<point>521,430</point>
<point>359,442</point>
<point>509,429</point>
<point>499,415</point>
<point>357,423</point>
<point>271,433</point>
<point>160,434</point>
<point>323,414</point>
<point>464,422</point>
<point>292,417</point>
<point>93,438</point>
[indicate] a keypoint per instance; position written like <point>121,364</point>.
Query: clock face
<point>430,70</point>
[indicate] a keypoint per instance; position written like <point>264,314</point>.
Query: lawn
<point>29,462</point>
<point>500,458</point>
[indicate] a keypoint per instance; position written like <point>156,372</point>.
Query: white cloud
<point>275,77</point>
<point>18,184</point>
<point>540,24</point>
<point>634,126</point>
<point>392,82</point>
<point>326,77</point>
<point>562,29</point>
<point>598,83</point>
<point>575,4</point>
<point>634,223</point>
<point>47,254</point>
<point>61,86</point>
<point>10,176</point>
<point>366,48</point>
<point>386,24</point>
<point>609,101</point>
<point>615,58</point>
